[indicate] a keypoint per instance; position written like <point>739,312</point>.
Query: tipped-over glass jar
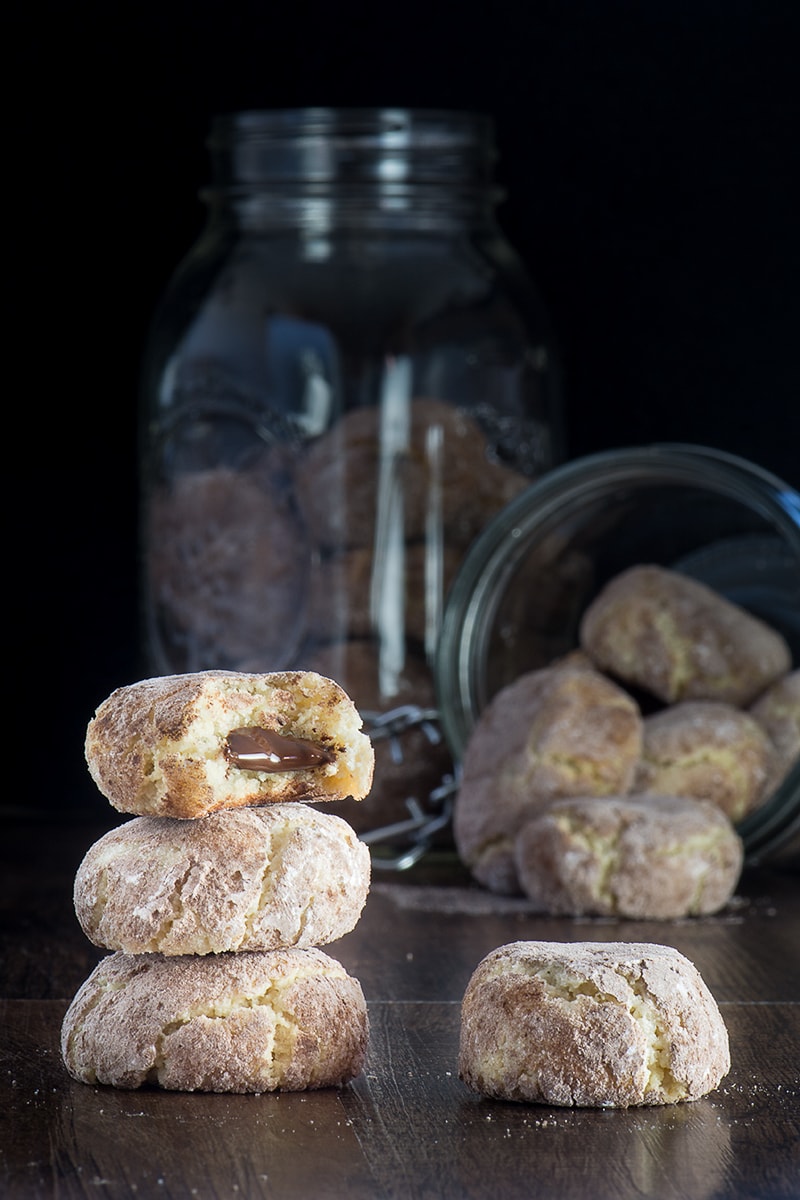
<point>518,600</point>
<point>349,375</point>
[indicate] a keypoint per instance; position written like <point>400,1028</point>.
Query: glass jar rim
<point>474,595</point>
<point>394,124</point>
<point>387,146</point>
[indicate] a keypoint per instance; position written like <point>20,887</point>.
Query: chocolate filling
<point>255,749</point>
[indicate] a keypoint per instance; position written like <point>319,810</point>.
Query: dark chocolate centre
<point>257,749</point>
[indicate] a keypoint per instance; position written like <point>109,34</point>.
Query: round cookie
<point>252,1022</point>
<point>182,745</point>
<point>561,731</point>
<point>647,857</point>
<point>777,711</point>
<point>592,1024</point>
<point>245,879</point>
<point>445,466</point>
<point>680,640</point>
<point>228,565</point>
<point>706,749</point>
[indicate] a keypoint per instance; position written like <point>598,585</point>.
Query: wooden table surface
<point>407,1127</point>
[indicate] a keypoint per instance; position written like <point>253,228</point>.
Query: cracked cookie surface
<point>246,879</point>
<point>655,856</point>
<point>250,1022</point>
<point>590,1024</point>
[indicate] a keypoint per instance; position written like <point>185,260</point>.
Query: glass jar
<point>520,594</point>
<point>349,375</point>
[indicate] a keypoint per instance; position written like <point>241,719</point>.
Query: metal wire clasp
<point>425,817</point>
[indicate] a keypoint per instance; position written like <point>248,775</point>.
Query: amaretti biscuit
<point>706,749</point>
<point>680,640</point>
<point>561,731</point>
<point>227,566</point>
<point>777,711</point>
<point>656,857</point>
<point>444,461</point>
<point>187,745</point>
<point>236,880</point>
<point>252,1022</point>
<point>591,1024</point>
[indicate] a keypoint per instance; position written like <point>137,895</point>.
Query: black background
<point>649,152</point>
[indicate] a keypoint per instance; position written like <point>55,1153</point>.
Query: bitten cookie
<point>680,640</point>
<point>561,731</point>
<point>657,857</point>
<point>706,749</point>
<point>245,879</point>
<point>253,1022</point>
<point>187,745</point>
<point>592,1024</point>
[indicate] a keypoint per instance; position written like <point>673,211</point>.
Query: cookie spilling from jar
<point>188,745</point>
<point>572,795</point>
<point>680,640</point>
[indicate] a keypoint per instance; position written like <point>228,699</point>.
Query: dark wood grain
<point>463,1142</point>
<point>407,1128</point>
<point>75,1140</point>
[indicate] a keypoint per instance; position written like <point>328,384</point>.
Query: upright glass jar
<point>349,375</point>
<point>518,600</point>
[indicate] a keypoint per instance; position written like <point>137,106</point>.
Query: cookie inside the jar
<point>681,640</point>
<point>706,749</point>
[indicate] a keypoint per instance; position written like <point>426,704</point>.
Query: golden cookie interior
<point>188,745</point>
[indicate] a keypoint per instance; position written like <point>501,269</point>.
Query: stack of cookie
<point>215,898</point>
